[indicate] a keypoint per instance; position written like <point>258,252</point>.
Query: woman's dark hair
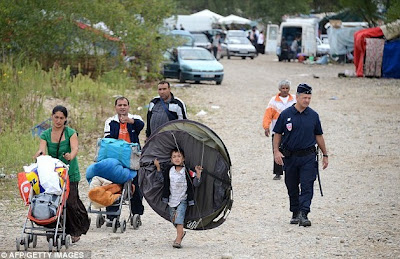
<point>60,108</point>
<point>180,150</point>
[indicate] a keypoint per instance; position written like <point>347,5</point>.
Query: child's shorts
<point>177,214</point>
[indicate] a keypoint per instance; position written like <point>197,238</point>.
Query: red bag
<point>24,187</point>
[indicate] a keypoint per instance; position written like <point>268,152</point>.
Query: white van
<point>307,28</point>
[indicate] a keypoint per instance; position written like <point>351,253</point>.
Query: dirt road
<point>358,216</point>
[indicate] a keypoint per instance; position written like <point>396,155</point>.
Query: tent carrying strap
<point>201,162</point>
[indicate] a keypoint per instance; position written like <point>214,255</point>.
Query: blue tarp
<point>341,40</point>
<point>391,59</point>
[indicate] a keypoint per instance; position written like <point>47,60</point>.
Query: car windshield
<point>195,54</point>
<point>238,40</point>
<point>183,40</point>
<point>200,38</point>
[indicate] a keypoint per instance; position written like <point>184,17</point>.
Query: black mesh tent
<point>213,198</point>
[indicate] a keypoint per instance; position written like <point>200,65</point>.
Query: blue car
<point>192,63</point>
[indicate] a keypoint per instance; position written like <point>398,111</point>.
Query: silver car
<point>239,47</point>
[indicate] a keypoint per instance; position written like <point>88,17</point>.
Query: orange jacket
<point>274,108</point>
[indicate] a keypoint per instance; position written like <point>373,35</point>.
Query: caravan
<point>306,28</point>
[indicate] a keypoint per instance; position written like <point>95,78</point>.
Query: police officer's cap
<point>304,89</point>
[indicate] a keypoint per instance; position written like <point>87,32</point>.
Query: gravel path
<point>358,217</point>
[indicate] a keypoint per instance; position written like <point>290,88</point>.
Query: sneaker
<point>277,177</point>
<point>295,218</point>
<point>303,220</point>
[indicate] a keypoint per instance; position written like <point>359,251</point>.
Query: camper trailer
<point>306,28</point>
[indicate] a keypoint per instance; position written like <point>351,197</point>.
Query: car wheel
<point>280,58</point>
<point>181,79</point>
<point>243,57</point>
<point>228,55</point>
<point>197,82</point>
<point>252,57</point>
<point>218,82</point>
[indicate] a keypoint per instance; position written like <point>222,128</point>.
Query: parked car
<point>192,63</point>
<point>322,48</point>
<point>236,33</point>
<point>201,40</point>
<point>183,38</point>
<point>239,47</point>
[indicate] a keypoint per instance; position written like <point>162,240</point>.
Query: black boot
<point>295,218</point>
<point>303,220</point>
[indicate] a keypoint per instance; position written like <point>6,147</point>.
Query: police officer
<point>297,130</point>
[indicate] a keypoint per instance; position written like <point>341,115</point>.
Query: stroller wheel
<point>114,225</point>
<point>18,243</point>
<point>50,244</point>
<point>59,244</point>
<point>99,220</point>
<point>67,241</point>
<point>135,221</point>
<point>34,241</point>
<point>123,226</point>
<point>26,242</point>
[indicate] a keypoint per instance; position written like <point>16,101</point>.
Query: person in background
<point>216,45</point>
<point>61,142</point>
<point>164,108</point>
<point>260,43</point>
<point>254,36</point>
<point>294,47</point>
<point>276,105</point>
<point>285,50</point>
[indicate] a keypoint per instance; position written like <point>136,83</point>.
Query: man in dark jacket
<point>164,108</point>
<point>125,126</point>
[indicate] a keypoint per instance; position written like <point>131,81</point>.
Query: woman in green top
<point>62,142</point>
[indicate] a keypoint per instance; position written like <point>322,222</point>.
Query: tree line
<point>60,33</point>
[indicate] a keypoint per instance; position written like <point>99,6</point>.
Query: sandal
<point>176,245</point>
<point>75,239</point>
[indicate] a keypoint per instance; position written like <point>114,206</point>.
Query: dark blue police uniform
<point>298,146</point>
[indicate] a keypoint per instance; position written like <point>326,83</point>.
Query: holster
<point>285,152</point>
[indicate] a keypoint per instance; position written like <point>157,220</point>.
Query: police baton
<point>319,178</point>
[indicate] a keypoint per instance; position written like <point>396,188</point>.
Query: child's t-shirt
<point>177,187</point>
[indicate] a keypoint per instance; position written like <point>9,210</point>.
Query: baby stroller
<point>124,199</point>
<point>49,218</point>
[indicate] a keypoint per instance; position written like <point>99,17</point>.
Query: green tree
<point>393,11</point>
<point>367,9</point>
<point>52,31</point>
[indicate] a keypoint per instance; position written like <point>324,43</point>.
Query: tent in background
<point>389,32</point>
<point>391,59</point>
<point>190,22</point>
<point>341,39</point>
<point>234,19</point>
<point>208,13</point>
